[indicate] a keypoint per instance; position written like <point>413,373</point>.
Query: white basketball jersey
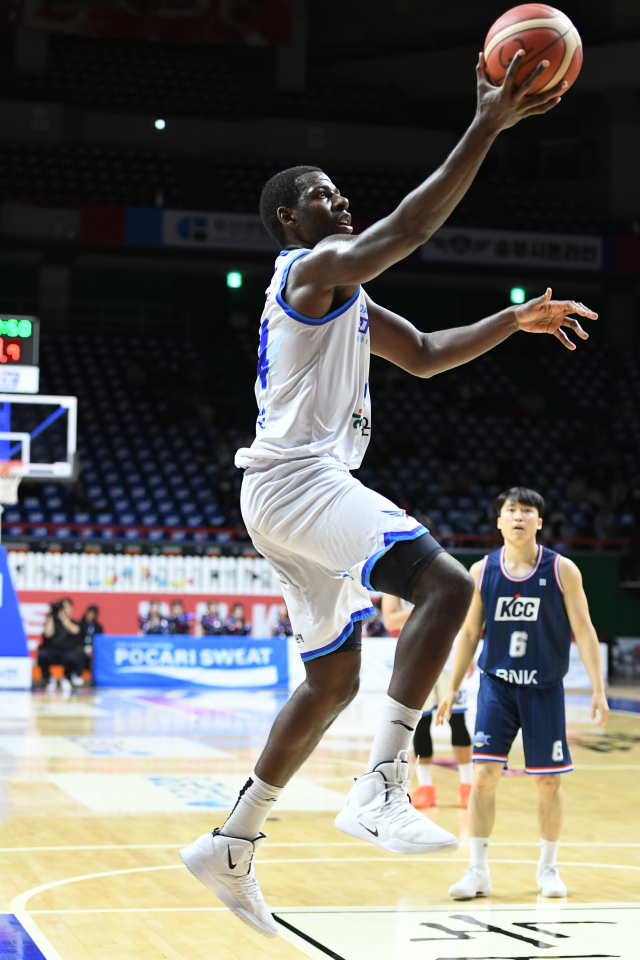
<point>313,380</point>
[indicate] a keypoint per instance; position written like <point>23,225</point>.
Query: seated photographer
<point>60,646</point>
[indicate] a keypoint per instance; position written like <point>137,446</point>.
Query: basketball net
<point>11,473</point>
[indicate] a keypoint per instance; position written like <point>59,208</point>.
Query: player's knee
<point>459,734</point>
<point>549,784</point>
<point>447,581</point>
<point>342,689</point>
<point>486,776</point>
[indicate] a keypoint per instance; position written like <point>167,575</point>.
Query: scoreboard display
<point>19,341</point>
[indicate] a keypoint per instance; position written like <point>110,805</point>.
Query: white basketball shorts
<point>322,531</point>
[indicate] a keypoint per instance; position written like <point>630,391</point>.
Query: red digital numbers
<point>13,352</point>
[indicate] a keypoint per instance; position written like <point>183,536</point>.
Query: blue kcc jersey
<point>527,632</point>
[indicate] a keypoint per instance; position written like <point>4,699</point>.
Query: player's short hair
<point>530,498</point>
<point>283,190</point>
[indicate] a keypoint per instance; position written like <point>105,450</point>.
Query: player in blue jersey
<point>529,599</point>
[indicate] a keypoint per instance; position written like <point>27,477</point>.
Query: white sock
<point>423,771</point>
<point>548,853</point>
<point>479,847</point>
<point>395,729</point>
<point>466,772</point>
<point>252,808</point>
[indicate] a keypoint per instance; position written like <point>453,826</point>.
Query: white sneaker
<point>475,882</point>
<point>52,686</point>
<point>65,685</point>
<point>549,881</point>
<point>378,809</point>
<point>76,680</point>
<point>225,866</point>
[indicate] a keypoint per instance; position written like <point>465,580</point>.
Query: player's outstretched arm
<point>426,354</point>
<point>342,261</point>
<point>575,601</point>
<point>466,646</point>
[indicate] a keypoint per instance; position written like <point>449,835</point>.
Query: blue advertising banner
<point>13,642</point>
<point>157,661</point>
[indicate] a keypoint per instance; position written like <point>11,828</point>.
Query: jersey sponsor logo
<point>361,423</point>
<point>523,678</point>
<point>517,608</point>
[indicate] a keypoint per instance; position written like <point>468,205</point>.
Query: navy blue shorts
<point>504,708</point>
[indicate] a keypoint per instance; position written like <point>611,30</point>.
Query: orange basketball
<point>544,33</point>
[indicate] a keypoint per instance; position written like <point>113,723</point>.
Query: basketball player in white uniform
<point>329,538</point>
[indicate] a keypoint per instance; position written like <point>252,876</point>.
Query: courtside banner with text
<point>514,247</point>
<point>215,231</point>
<point>158,661</point>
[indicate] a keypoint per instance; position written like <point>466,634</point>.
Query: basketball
<point>543,33</point>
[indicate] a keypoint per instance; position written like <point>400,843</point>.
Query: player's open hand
<point>599,708</point>
<point>502,107</point>
<point>545,315</point>
<point>445,707</point>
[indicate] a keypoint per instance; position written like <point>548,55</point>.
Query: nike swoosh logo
<point>373,832</point>
<point>403,725</point>
<point>232,865</point>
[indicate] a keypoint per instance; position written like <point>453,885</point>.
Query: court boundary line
<point>305,936</point>
<point>18,904</point>
<point>361,843</point>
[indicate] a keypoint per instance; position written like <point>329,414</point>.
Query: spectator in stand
<point>89,628</point>
<point>374,627</point>
<point>236,625</point>
<point>154,622</point>
<point>179,621</point>
<point>60,646</point>
<point>212,625</point>
<point>282,626</point>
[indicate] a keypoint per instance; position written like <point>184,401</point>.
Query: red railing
<point>451,541</point>
<point>482,541</point>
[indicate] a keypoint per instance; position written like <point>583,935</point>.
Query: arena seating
<point>108,175</point>
<point>374,191</point>
<point>532,211</point>
<point>165,79</point>
<point>105,175</point>
<point>445,448</point>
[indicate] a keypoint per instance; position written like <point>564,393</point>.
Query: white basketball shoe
<point>549,881</point>
<point>378,809</point>
<point>225,866</point>
<point>474,882</point>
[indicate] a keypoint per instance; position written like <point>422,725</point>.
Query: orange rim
<point>11,468</point>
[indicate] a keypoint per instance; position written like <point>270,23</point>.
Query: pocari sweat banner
<point>157,661</point>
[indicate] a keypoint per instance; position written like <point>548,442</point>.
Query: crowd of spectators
<point>179,623</point>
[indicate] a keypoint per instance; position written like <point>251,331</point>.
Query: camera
<point>56,608</point>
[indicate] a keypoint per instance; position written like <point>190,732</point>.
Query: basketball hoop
<point>11,473</point>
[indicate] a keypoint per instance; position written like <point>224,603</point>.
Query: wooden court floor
<point>99,791</point>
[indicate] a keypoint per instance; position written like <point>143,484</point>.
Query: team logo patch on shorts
<point>299,638</point>
<point>481,739</point>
